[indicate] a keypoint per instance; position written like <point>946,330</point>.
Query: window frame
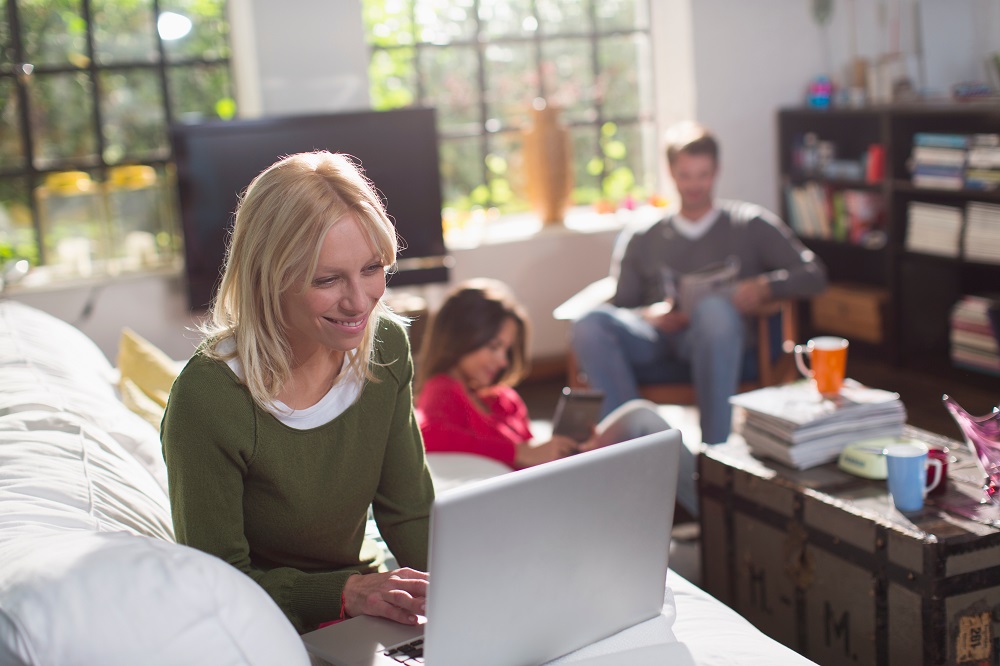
<point>644,120</point>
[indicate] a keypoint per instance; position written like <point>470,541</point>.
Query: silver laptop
<point>528,566</point>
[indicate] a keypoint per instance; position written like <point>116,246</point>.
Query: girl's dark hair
<point>469,318</point>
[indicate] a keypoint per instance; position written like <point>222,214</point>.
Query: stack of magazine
<point>794,425</point>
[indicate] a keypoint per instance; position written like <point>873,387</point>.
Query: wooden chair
<point>777,332</point>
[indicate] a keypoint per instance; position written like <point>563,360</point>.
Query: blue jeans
<point>618,350</point>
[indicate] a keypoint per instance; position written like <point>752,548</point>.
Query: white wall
<point>299,56</point>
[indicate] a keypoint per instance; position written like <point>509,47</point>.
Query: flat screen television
<point>397,149</point>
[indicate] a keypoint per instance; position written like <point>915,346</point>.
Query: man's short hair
<point>691,138</point>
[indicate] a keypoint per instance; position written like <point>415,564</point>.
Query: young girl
<point>474,352</point>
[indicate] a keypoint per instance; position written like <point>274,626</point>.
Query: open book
<point>717,278</point>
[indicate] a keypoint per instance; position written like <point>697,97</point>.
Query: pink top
<point>450,422</point>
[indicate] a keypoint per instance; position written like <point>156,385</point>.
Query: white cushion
<point>114,598</point>
<point>451,470</point>
<point>60,471</point>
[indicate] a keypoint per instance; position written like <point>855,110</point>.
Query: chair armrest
<point>586,299</point>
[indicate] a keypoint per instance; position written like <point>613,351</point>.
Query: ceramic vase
<point>548,165</point>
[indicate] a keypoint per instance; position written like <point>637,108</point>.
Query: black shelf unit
<point>922,288</point>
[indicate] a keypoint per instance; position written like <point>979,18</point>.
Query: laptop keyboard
<point>408,653</point>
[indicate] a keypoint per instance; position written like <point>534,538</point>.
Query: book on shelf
<point>933,155</point>
<point>792,423</point>
<point>941,140</point>
<point>975,332</point>
<point>933,229</point>
<point>982,232</point>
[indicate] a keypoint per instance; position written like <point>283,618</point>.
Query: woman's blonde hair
<point>469,318</point>
<point>281,222</point>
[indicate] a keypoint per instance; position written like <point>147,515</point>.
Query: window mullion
<point>161,67</point>
<point>95,84</point>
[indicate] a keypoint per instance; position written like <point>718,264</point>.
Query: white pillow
<point>119,599</point>
<point>50,346</point>
<point>58,470</point>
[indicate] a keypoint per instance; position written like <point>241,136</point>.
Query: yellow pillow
<point>140,403</point>
<point>147,367</point>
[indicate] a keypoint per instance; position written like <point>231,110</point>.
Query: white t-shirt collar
<point>695,229</point>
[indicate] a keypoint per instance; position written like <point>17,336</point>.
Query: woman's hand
<point>529,454</point>
<point>399,595</point>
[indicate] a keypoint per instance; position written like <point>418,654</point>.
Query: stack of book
<point>938,160</point>
<point>982,232</point>
<point>983,164</point>
<point>933,229</point>
<point>975,333</point>
<point>794,425</point>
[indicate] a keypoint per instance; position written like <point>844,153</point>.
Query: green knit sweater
<point>288,507</point>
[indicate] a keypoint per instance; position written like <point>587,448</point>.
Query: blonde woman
<point>295,414</point>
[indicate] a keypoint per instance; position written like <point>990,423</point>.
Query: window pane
<point>62,118</point>
<point>587,164</point>
<point>134,118</point>
<point>123,31</point>
<point>140,216</point>
<point>625,92</point>
<point>11,148</point>
<point>6,49</point>
<point>201,92</point>
<point>621,14</point>
<point>627,152</point>
<point>451,85</point>
<point>208,38</point>
<point>563,16</point>
<point>503,165</point>
<point>53,33</point>
<point>17,233</point>
<point>569,78</point>
<point>388,22</point>
<point>462,172</point>
<point>393,78</point>
<point>444,21</point>
<point>511,83</point>
<point>507,18</point>
<point>74,230</point>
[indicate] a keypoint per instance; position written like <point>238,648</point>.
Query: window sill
<point>525,226</point>
<point>41,279</point>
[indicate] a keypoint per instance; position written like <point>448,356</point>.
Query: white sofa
<point>89,570</point>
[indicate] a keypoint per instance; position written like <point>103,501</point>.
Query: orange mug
<point>828,358</point>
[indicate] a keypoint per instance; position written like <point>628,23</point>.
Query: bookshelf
<point>919,280</point>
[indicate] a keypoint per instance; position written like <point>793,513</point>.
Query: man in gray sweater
<point>660,326</point>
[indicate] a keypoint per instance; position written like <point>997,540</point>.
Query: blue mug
<point>907,465</point>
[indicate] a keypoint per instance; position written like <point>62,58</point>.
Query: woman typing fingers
<point>399,595</point>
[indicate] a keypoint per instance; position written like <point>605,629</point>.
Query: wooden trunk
<point>821,561</point>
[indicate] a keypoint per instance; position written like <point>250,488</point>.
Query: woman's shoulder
<point>207,380</point>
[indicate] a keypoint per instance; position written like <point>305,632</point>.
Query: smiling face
<point>480,368</point>
<point>694,177</point>
<point>333,311</point>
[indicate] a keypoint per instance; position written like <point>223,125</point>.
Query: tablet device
<point>577,412</point>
